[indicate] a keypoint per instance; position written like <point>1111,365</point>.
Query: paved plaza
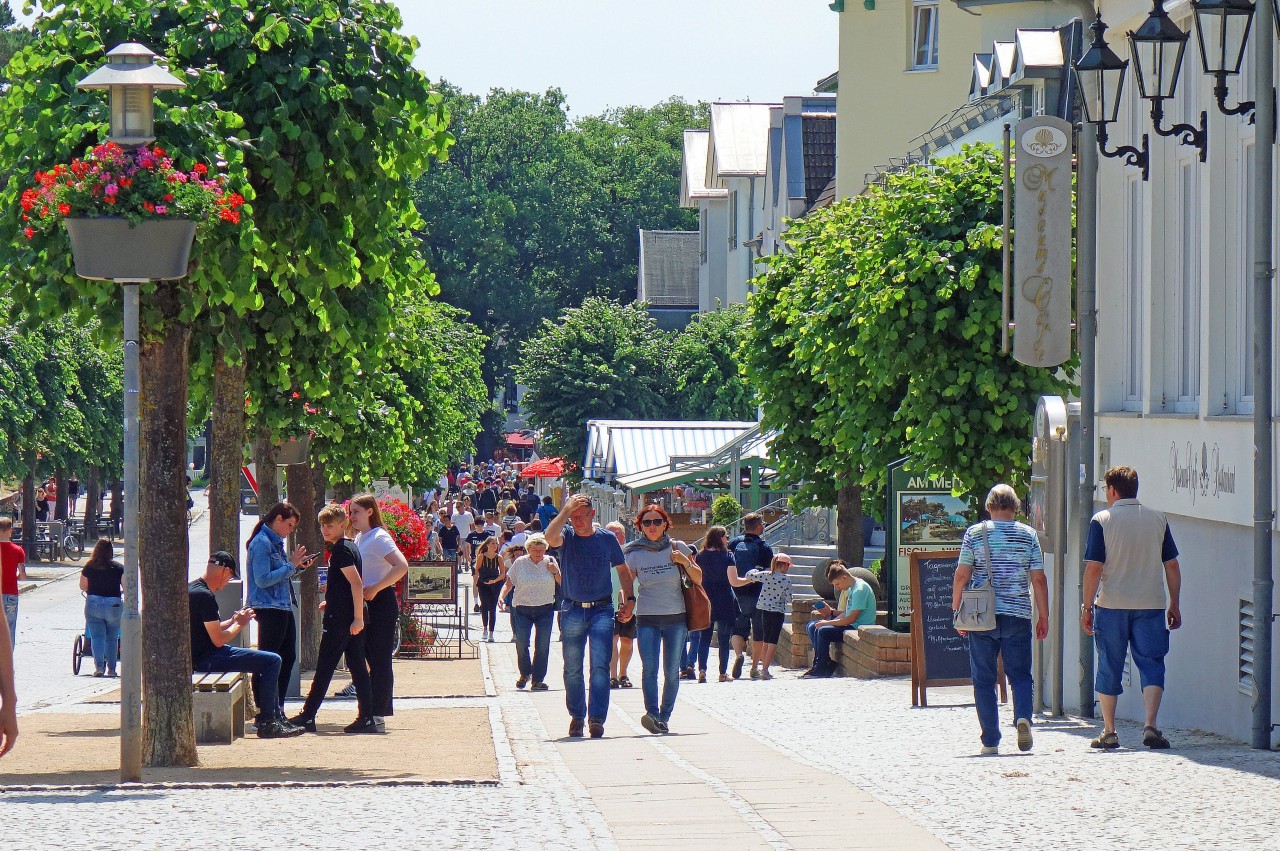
<point>783,764</point>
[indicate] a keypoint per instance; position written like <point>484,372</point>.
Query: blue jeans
<point>1011,639</point>
<point>264,666</point>
<point>699,651</point>
<point>669,641</point>
<point>102,617</point>
<point>11,615</point>
<point>523,621</point>
<point>578,626</point>
<point>822,638</point>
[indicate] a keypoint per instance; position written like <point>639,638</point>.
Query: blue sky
<point>605,53</point>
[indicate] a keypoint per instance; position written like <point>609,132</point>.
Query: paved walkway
<point>782,764</point>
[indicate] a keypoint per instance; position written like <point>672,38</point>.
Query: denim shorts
<point>1117,632</point>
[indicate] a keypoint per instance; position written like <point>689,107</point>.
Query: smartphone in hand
<point>306,562</point>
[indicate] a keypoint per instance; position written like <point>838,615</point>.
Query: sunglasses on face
<point>652,522</point>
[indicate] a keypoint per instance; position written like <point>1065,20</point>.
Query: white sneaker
<point>988,750</point>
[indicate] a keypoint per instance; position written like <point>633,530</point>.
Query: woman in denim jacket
<point>271,589</point>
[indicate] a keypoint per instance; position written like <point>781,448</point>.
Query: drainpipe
<point>1086,341</point>
<point>1263,211</point>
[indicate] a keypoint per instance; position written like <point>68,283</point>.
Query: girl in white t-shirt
<point>384,565</point>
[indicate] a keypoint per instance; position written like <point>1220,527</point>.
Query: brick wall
<point>868,652</point>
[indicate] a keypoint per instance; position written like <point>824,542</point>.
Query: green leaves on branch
<point>878,336</point>
<point>612,361</point>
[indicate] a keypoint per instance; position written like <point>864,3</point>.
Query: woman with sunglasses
<point>660,613</point>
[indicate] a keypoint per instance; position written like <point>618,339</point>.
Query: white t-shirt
<point>375,545</point>
<point>463,519</point>
<point>533,583</point>
<point>518,539</point>
<point>493,529</point>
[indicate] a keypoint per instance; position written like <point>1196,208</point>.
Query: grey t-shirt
<point>657,580</point>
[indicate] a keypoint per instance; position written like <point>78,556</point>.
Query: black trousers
<point>488,593</point>
<point>278,633</point>
<point>381,624</point>
<point>334,642</point>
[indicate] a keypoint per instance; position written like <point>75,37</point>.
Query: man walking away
<point>1130,558</point>
<point>749,552</point>
<point>587,554</point>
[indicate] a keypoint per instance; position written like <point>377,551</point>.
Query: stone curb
<point>271,784</point>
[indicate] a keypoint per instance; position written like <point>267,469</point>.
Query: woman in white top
<point>383,566</point>
<point>532,579</point>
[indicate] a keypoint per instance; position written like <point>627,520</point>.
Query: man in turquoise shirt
<point>859,610</point>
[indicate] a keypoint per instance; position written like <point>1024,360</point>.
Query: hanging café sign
<point>1042,231</point>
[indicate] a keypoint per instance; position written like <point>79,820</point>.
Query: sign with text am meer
<point>1042,242</point>
<point>923,517</point>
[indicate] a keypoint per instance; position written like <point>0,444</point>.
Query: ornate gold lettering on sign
<point>1042,232</point>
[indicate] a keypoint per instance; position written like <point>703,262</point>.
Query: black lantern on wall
<point>1223,29</point>
<point>1157,48</point>
<point>1100,74</point>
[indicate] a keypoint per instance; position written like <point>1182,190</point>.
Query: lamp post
<point>1157,47</point>
<point>1100,74</point>
<point>132,77</point>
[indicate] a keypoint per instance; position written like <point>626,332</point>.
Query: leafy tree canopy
<point>532,212</point>
<point>704,366</point>
<point>878,335</point>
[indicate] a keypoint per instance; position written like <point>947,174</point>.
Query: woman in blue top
<point>1007,552</point>
<point>271,589</point>
<point>715,559</point>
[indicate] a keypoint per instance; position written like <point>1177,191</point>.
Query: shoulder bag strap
<point>986,545</point>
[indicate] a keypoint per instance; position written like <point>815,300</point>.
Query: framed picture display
<point>433,582</point>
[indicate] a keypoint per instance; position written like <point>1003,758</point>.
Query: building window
<point>1244,299</point>
<point>1134,264</point>
<point>1184,330</point>
<point>924,34</point>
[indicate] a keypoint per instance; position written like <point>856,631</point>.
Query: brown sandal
<point>1106,741</point>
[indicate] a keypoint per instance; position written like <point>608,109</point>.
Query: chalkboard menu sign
<point>939,654</point>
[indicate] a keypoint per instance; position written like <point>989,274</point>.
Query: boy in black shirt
<point>211,653</point>
<point>343,627</point>
<point>473,541</point>
<point>450,535</point>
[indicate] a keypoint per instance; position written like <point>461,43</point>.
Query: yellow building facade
<point>904,64</point>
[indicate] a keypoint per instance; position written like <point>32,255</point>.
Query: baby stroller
<point>84,647</point>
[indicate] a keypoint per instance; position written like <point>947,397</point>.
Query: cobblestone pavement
<point>1207,792</point>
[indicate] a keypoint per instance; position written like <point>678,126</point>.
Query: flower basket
<point>295,450</point>
<point>112,248</point>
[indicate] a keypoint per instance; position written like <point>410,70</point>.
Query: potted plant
<point>131,215</point>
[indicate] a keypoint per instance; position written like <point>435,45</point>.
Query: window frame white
<point>929,45</point>
<point>1135,266</point>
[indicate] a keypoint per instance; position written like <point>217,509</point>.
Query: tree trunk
<point>226,453</point>
<point>168,730</point>
<point>117,507</point>
<point>29,511</point>
<point>264,457</point>
<point>343,491</point>
<point>849,525</point>
<point>93,499</point>
<point>302,496</point>
<point>60,504</point>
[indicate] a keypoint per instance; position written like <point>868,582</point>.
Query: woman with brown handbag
<point>658,565</point>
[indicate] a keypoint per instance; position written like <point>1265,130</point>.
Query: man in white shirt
<point>462,516</point>
<point>520,536</point>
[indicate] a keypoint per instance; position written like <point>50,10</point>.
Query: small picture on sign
<point>934,518</point>
<point>432,583</point>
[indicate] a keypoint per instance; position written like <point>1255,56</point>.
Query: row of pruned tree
<point>877,336</point>
<point>317,315</point>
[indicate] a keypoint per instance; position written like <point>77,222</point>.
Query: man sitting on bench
<point>210,653</point>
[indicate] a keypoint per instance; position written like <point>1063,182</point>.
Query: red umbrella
<point>544,468</point>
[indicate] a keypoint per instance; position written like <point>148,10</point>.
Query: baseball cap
<point>226,559</point>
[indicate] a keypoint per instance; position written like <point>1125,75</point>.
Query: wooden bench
<point>219,702</point>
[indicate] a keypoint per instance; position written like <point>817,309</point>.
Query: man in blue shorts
<point>1131,555</point>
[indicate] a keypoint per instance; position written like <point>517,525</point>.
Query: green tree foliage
<point>600,360</point>
<point>704,365</point>
<point>879,335</point>
<point>12,37</point>
<point>604,360</point>
<point>532,213</point>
